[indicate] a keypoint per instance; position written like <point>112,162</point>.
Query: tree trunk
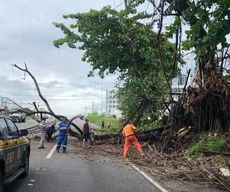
<point>140,113</point>
<point>131,116</point>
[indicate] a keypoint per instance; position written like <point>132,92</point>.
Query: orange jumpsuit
<point>128,134</point>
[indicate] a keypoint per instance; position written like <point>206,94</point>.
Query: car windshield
<point>4,131</point>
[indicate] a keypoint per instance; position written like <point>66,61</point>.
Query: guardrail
<point>34,127</point>
<point>34,130</point>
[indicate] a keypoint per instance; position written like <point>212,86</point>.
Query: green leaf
<point>205,39</point>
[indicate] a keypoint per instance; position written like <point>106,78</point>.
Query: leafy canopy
<point>209,26</point>
<point>120,41</point>
<point>113,40</point>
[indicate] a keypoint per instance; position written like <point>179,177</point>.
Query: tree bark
<point>130,117</point>
<point>140,113</point>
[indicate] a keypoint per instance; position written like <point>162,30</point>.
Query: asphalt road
<point>27,124</point>
<point>31,123</point>
<point>64,173</point>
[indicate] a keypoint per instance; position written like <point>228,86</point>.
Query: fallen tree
<point>51,112</point>
<point>169,159</point>
<point>143,136</point>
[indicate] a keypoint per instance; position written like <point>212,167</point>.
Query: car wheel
<point>26,165</point>
<point>1,182</point>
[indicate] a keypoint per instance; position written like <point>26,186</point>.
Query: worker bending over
<point>128,134</point>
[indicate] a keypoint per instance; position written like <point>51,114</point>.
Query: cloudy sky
<point>26,35</point>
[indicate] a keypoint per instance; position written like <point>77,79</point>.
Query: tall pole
<point>102,90</point>
<point>86,111</point>
<point>93,107</point>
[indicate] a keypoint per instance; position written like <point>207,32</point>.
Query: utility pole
<point>93,107</point>
<point>86,111</point>
<point>102,90</point>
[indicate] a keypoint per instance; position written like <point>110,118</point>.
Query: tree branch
<point>59,117</point>
<point>37,86</point>
<point>131,116</point>
<point>51,112</point>
<point>35,106</point>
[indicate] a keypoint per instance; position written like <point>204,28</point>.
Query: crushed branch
<point>175,165</point>
<point>215,152</point>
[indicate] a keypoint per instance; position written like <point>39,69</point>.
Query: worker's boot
<point>126,160</point>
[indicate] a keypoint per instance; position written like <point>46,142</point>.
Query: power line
<point>69,99</point>
<point>119,5</point>
<point>147,6</point>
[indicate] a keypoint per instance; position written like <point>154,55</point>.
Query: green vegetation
<point>148,124</point>
<point>116,123</point>
<point>119,41</point>
<point>97,119</point>
<point>30,118</point>
<point>211,143</point>
<point>219,159</point>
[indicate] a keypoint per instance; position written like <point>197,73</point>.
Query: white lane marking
<point>149,178</point>
<point>51,152</point>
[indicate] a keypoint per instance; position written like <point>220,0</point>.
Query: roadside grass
<point>30,118</point>
<point>210,143</point>
<point>97,119</point>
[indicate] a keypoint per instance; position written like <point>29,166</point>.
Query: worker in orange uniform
<point>128,134</point>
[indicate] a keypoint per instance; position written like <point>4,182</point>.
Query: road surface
<point>31,123</point>
<point>62,172</point>
<point>27,124</point>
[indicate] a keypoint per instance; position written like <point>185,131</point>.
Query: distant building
<point>183,79</point>
<point>180,79</point>
<point>112,103</point>
<point>179,83</point>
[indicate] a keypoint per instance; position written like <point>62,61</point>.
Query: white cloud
<point>27,34</point>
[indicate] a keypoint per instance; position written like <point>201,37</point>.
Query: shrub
<point>211,143</point>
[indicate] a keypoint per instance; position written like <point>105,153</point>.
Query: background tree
<point>120,42</point>
<point>207,36</point>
